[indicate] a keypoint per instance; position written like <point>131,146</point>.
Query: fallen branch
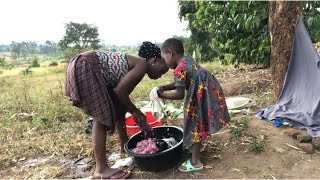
<point>294,147</point>
<point>273,177</point>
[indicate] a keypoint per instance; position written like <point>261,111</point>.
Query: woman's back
<point>114,66</point>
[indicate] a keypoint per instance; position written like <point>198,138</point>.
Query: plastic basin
<point>163,160</point>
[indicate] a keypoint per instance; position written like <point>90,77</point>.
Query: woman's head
<point>152,54</point>
<point>171,51</point>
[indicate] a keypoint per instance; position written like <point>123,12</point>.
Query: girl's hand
<point>161,88</point>
<point>160,93</point>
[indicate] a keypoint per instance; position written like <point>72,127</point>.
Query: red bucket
<point>132,127</point>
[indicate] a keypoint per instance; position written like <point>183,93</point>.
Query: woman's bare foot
<point>110,173</point>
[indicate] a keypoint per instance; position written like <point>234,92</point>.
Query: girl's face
<point>168,57</point>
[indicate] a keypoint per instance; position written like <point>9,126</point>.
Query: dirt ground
<point>224,158</point>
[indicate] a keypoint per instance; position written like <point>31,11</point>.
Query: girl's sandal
<point>187,167</point>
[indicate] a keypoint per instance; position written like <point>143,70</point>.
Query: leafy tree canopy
<point>78,38</point>
<point>237,27</point>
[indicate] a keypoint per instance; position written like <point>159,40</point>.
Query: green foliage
<point>254,143</point>
<point>265,99</point>
<point>238,128</point>
<point>227,59</point>
<point>49,48</point>
<point>257,143</point>
<point>3,63</point>
<point>311,12</point>
<point>238,27</point>
<point>199,34</point>
<point>26,71</point>
<point>197,53</point>
<point>58,70</point>
<point>79,38</point>
<point>54,63</point>
<point>23,49</point>
<point>187,45</point>
<point>35,62</point>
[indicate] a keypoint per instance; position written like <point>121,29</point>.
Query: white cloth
<point>156,102</point>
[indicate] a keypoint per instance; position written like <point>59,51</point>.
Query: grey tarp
<point>299,100</point>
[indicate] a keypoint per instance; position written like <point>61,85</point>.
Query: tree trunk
<point>282,18</point>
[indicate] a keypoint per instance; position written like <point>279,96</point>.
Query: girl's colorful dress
<point>205,109</point>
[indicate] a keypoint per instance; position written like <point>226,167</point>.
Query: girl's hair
<point>149,50</point>
<point>173,44</point>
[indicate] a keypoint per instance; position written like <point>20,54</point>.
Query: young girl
<point>205,107</point>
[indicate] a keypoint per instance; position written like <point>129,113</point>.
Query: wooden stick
<point>294,147</point>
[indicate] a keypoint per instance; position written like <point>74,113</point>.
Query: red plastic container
<point>132,127</point>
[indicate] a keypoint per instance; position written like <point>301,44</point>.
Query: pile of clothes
<point>147,146</point>
<point>152,145</point>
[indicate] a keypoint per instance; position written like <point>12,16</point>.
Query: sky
<point>119,22</point>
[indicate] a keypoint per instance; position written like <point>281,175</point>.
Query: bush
<point>35,62</point>
<point>27,71</point>
<point>54,63</point>
<point>238,128</point>
<point>258,143</point>
<point>2,62</point>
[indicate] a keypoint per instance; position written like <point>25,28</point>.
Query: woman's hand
<point>141,120</point>
<point>139,117</point>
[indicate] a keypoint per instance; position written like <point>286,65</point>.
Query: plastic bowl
<point>163,160</point>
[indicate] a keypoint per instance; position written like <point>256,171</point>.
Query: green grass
<point>238,128</point>
<point>36,119</point>
<point>253,142</point>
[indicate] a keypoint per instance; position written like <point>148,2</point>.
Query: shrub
<point>238,128</point>
<point>258,143</point>
<point>27,71</point>
<point>2,62</point>
<point>54,63</point>
<point>35,62</point>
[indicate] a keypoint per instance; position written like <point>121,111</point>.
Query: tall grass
<point>36,118</point>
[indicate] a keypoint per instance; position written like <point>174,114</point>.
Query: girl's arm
<point>177,95</point>
<point>167,87</point>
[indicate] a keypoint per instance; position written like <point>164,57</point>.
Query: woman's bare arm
<point>129,82</point>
